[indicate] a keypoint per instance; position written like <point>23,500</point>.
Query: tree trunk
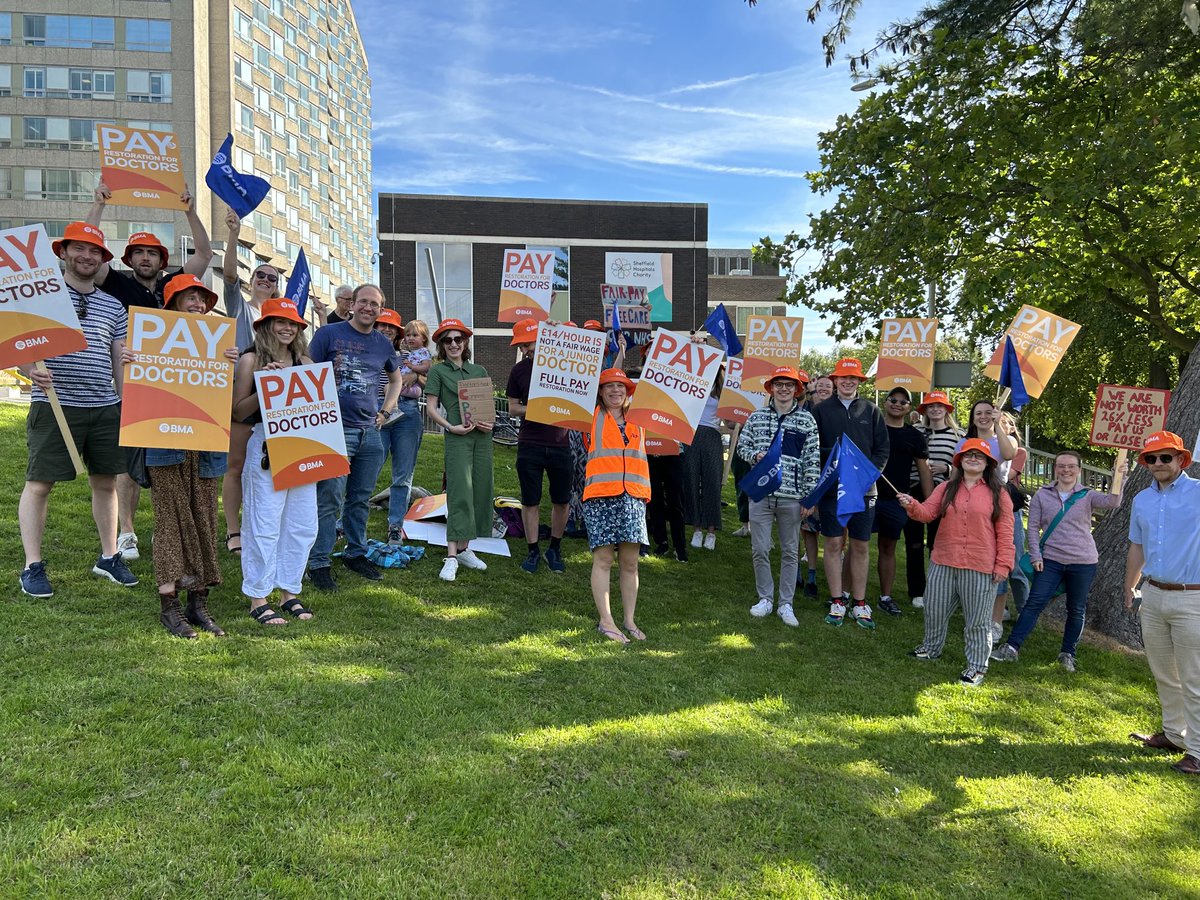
<point>1106,607</point>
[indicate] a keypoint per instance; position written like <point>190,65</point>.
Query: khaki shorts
<point>96,430</point>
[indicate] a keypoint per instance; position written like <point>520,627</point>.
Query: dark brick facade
<point>550,222</point>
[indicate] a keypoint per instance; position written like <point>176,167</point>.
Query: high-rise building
<point>287,77</point>
<point>747,286</point>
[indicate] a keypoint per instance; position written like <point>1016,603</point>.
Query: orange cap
<point>804,379</point>
<point>145,239</point>
<point>610,376</point>
<point>570,324</point>
<point>84,234</point>
<point>1165,440</point>
<point>788,373</point>
<point>451,325</point>
<point>524,332</point>
<point>388,316</point>
<point>593,325</point>
<point>182,282</point>
<point>281,308</point>
<point>935,398</point>
<point>848,367</point>
<point>973,444</point>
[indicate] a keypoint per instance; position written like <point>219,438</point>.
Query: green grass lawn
<point>422,739</point>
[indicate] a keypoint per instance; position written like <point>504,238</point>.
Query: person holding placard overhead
<point>280,526</point>
<point>91,400</point>
<point>615,494</point>
<point>468,449</point>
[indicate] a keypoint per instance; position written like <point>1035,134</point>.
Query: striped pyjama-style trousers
<point>947,588</point>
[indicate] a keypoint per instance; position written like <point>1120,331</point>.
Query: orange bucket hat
<point>388,316</point>
<point>848,367</point>
<point>281,308</point>
<point>524,332</point>
<point>182,282</point>
<point>939,398</point>
<point>611,376</point>
<point>451,325</point>
<point>84,234</point>
<point>789,373</point>
<point>593,325</point>
<point>145,239</point>
<point>973,444</point>
<point>1165,440</point>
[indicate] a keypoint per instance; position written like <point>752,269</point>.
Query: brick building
<point>467,236</point>
<point>745,285</point>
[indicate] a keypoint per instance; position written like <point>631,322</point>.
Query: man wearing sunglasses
<point>359,354</point>
<point>907,447</point>
<point>91,400</point>
<point>1164,545</point>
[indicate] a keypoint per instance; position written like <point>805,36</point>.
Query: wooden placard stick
<point>1120,467</point>
<point>60,417</point>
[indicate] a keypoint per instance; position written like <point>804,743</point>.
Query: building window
<point>5,131</point>
<point>83,32</point>
<point>245,118</point>
<point>6,183</point>
<point>5,29</point>
<point>151,126</point>
<point>5,81</point>
<point>59,184</point>
<point>452,266</point>
<point>243,25</point>
<point>243,160</point>
<point>87,84</point>
<point>35,82</point>
<point>152,35</point>
<point>35,131</point>
<point>242,70</point>
<point>148,87</point>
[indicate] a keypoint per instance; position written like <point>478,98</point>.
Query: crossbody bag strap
<point>1059,517</point>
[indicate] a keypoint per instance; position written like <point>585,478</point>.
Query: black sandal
<point>295,608</point>
<point>263,615</point>
<point>229,537</point>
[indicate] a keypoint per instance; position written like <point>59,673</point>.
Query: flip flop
<point>229,537</point>
<point>635,632</point>
<point>615,636</point>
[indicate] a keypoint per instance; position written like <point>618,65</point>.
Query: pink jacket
<point>967,537</point>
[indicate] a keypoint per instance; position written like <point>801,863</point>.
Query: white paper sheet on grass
<point>435,533</point>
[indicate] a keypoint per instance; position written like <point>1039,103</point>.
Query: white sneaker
<point>761,608</point>
<point>997,633</point>
<point>471,561</point>
<point>127,546</point>
<point>449,569</point>
<point>804,558</point>
<point>744,531</point>
<point>918,602</point>
<point>710,541</point>
<point>789,617</point>
<point>697,539</point>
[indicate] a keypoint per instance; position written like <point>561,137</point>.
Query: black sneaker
<point>810,589</point>
<point>663,549</point>
<point>322,579</point>
<point>114,569</point>
<point>360,565</point>
<point>532,561</point>
<point>888,605</point>
<point>681,556</point>
<point>35,582</point>
<point>554,560</point>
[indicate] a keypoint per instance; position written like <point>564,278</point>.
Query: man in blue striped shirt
<point>91,402</point>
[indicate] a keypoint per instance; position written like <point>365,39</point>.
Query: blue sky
<point>656,100</point>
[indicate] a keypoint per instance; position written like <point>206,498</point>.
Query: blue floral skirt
<point>615,520</point>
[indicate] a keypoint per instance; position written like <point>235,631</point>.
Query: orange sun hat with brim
<point>804,377</point>
<point>593,325</point>
<point>84,234</point>
<point>848,367</point>
<point>789,373</point>
<point>938,398</point>
<point>148,240</point>
<point>570,324</point>
<point>615,376</point>
<point>281,308</point>
<point>182,282</point>
<point>973,444</point>
<point>524,332</point>
<point>388,316</point>
<point>1165,440</point>
<point>451,325</point>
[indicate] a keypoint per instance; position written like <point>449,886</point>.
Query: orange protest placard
<point>675,383</point>
<point>141,168</point>
<point>565,377</point>
<point>736,404</point>
<point>1040,339</point>
<point>179,387</point>
<point>526,285</point>
<point>771,341</point>
<point>660,446</point>
<point>302,420</point>
<point>37,315</point>
<point>1124,416</point>
<point>906,354</point>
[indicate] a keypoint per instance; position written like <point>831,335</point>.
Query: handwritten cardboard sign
<point>675,383</point>
<point>771,341</point>
<point>140,167</point>
<point>1040,339</point>
<point>565,377</point>
<point>475,401</point>
<point>736,403</point>
<point>179,387</point>
<point>1124,416</point>
<point>37,315</point>
<point>302,420</point>
<point>906,354</point>
<point>526,285</point>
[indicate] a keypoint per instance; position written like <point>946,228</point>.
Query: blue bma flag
<point>1010,374</point>
<point>856,475</point>
<point>616,329</point>
<point>719,326</point>
<point>299,282</point>
<point>767,475</point>
<point>828,479</point>
<point>243,193</point>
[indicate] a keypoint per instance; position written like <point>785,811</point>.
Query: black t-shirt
<point>332,316</point>
<point>533,432</point>
<point>907,444</point>
<point>132,292</point>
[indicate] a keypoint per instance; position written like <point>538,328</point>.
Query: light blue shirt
<point>1167,525</point>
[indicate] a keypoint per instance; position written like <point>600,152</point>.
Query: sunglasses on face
<point>265,276</point>
<point>454,340</point>
<point>899,400</point>
<point>1164,458</point>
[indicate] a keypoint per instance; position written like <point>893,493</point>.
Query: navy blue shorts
<point>890,518</point>
<point>859,524</point>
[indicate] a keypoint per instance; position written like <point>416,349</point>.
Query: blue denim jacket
<point>212,464</point>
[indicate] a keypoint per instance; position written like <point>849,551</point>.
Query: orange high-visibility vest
<point>615,467</point>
